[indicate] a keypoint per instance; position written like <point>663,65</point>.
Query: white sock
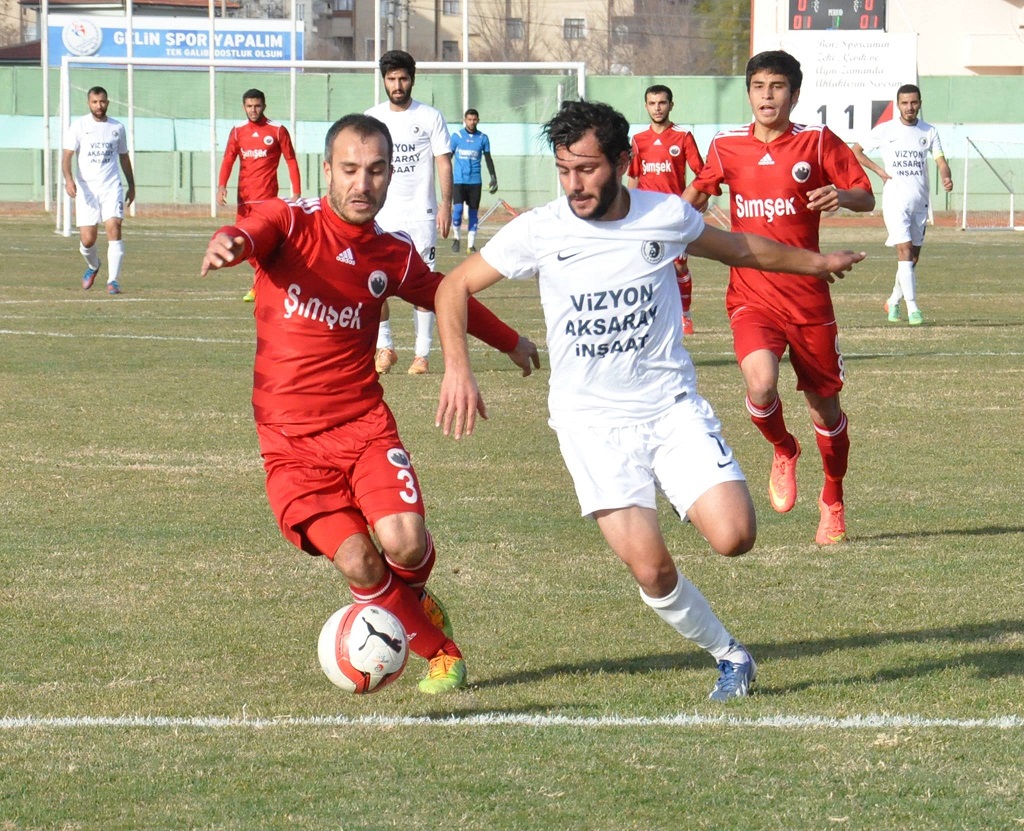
<point>472,238</point>
<point>424,333</point>
<point>687,611</point>
<point>384,340</point>
<point>455,230</point>
<point>115,254</point>
<point>908,283</point>
<point>92,259</point>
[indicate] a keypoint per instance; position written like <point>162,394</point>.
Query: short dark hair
<point>577,118</point>
<point>364,126</point>
<point>95,91</point>
<point>397,59</point>
<point>658,89</point>
<point>471,111</point>
<point>254,93</point>
<point>908,89</point>
<point>776,62</point>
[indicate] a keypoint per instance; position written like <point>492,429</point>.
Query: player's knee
<point>738,536</point>
<point>359,560</point>
<point>657,579</point>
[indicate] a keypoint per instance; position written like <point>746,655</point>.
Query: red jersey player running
<point>781,177</point>
<point>260,144</point>
<point>659,158</point>
<point>335,464</point>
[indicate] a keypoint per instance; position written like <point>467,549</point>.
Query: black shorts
<point>470,194</point>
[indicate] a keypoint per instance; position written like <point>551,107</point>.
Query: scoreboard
<point>855,15</point>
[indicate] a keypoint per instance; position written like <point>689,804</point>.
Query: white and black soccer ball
<point>362,648</point>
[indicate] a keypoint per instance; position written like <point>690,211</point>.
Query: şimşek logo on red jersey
<point>656,167</point>
<point>377,283</point>
<point>767,209</point>
<point>255,154</point>
<point>316,310</point>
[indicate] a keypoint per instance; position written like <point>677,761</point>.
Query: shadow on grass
<point>987,664</point>
<point>984,531</point>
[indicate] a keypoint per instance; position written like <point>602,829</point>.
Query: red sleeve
<point>288,152</point>
<point>230,154</point>
<point>419,288</point>
<point>710,178</point>
<point>634,160</point>
<point>840,165</point>
<point>263,229</point>
<point>693,158</point>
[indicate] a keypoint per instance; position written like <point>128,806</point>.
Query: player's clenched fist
<point>222,250</point>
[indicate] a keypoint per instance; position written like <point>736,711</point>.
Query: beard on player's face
<point>605,196</point>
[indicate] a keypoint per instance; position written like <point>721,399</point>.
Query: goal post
<point>182,110</point>
<point>992,178</point>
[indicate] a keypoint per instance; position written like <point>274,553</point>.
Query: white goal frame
<point>63,219</point>
<point>1011,225</point>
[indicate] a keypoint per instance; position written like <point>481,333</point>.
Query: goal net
<point>178,114</point>
<point>992,180</point>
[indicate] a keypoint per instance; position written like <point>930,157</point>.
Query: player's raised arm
<point>753,251</point>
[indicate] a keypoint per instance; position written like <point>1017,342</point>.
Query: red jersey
<point>768,185</point>
<point>320,285</point>
<point>261,145</point>
<point>659,160</point>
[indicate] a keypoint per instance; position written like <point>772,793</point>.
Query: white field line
<point>865,722</point>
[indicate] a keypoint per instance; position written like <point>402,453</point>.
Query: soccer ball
<point>362,648</point>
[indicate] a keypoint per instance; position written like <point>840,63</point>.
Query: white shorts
<point>92,208</point>
<point>424,238</point>
<point>681,453</point>
<point>903,222</point>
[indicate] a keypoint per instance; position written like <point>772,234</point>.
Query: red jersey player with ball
<point>336,467</point>
<point>781,177</point>
<point>658,160</point>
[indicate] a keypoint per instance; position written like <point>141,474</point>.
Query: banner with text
<point>258,41</point>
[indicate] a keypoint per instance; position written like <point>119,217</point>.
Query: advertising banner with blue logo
<point>259,41</point>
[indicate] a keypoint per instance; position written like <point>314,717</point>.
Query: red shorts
<point>813,347</point>
<point>350,476</point>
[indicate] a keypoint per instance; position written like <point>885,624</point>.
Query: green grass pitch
<point>158,654</point>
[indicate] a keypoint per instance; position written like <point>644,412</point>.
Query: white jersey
<point>611,305</point>
<point>98,144</point>
<point>904,150</point>
<point>419,134</point>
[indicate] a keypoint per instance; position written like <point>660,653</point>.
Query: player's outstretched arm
<point>222,251</point>
<point>753,251</point>
<point>460,401</point>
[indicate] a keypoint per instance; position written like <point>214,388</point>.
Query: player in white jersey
<point>421,140</point>
<point>904,145</point>
<point>99,142</point>
<point>623,398</point>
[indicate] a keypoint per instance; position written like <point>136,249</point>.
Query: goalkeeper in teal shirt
<point>469,145</point>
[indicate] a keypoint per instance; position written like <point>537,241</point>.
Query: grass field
<point>158,655</point>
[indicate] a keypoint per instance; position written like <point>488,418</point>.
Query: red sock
<point>403,602</point>
<point>685,283</point>
<point>770,422</point>
<point>834,446</point>
<point>415,576</point>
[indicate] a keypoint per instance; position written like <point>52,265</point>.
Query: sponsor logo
<point>767,209</point>
<point>346,257</point>
<point>377,282</point>
<point>255,154</point>
<point>652,251</point>
<point>766,159</point>
<point>399,458</point>
<point>565,255</point>
<point>656,167</point>
<point>315,309</point>
<point>801,171</point>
